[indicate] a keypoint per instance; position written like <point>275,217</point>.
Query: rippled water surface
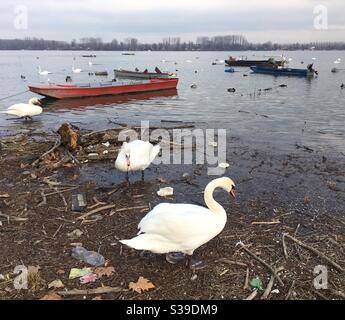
<point>307,112</point>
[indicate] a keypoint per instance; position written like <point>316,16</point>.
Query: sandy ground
<point>301,194</point>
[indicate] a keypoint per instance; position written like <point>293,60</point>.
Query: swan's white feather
<point>142,153</point>
<point>183,227</point>
<point>23,110</point>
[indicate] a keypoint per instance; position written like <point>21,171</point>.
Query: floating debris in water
<point>224,165</point>
<point>283,85</point>
<point>231,90</point>
<point>193,86</point>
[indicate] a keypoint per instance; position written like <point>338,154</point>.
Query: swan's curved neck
<point>212,204</point>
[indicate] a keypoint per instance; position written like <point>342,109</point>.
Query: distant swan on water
<point>43,72</point>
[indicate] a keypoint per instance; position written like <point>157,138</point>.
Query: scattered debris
<point>91,257</point>
<point>165,192</point>
<point>88,278</point>
<point>141,285</point>
<point>77,273</point>
<point>78,202</point>
<point>256,283</point>
<point>75,234</point>
<point>224,165</point>
<point>56,284</point>
<point>51,296</point>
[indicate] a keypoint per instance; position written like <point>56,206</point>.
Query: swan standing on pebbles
<point>136,155</point>
<point>182,228</point>
<point>25,110</point>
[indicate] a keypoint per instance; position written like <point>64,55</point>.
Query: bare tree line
<point>217,43</point>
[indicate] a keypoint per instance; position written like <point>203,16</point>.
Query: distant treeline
<point>217,43</point>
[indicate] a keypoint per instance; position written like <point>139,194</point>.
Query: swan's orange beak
<point>128,163</point>
<point>232,193</point>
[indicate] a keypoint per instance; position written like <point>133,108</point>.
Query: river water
<point>309,112</point>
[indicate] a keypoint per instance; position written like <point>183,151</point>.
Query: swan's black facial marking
<point>232,192</point>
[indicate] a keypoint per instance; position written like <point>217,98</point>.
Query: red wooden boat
<point>59,91</point>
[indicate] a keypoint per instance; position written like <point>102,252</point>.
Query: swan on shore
<point>182,228</point>
<point>25,110</point>
<point>136,155</point>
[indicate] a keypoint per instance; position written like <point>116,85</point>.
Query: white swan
<point>76,70</point>
<point>25,110</point>
<point>171,227</point>
<point>43,72</point>
<point>136,155</point>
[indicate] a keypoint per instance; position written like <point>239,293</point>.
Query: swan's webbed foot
<point>195,264</point>
<point>175,257</point>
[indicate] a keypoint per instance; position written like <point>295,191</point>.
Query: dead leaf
<point>60,271</point>
<point>51,296</point>
<point>104,271</point>
<point>141,285</point>
<point>33,269</point>
<point>56,284</point>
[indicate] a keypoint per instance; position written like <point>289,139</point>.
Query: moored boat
<point>121,73</point>
<point>244,62</point>
<point>59,91</point>
<point>283,71</point>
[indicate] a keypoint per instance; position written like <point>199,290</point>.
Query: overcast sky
<point>151,20</point>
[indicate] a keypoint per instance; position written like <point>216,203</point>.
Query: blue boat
<point>230,70</point>
<point>284,71</point>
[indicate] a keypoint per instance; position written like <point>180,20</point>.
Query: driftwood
<point>100,290</point>
<point>290,290</point>
<point>317,252</point>
<point>268,266</point>
<point>252,295</point>
<point>270,284</point>
<point>109,206</point>
<point>56,145</point>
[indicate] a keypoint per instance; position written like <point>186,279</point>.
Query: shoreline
<point>300,194</point>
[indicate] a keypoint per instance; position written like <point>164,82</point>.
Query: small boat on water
<point>121,73</point>
<point>279,71</point>
<point>244,62</point>
<point>101,73</point>
<point>63,91</point>
<point>89,56</point>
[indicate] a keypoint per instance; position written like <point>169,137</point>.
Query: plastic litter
<point>163,192</point>
<point>91,257</point>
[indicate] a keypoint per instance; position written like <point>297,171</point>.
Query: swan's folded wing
<point>179,222</point>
